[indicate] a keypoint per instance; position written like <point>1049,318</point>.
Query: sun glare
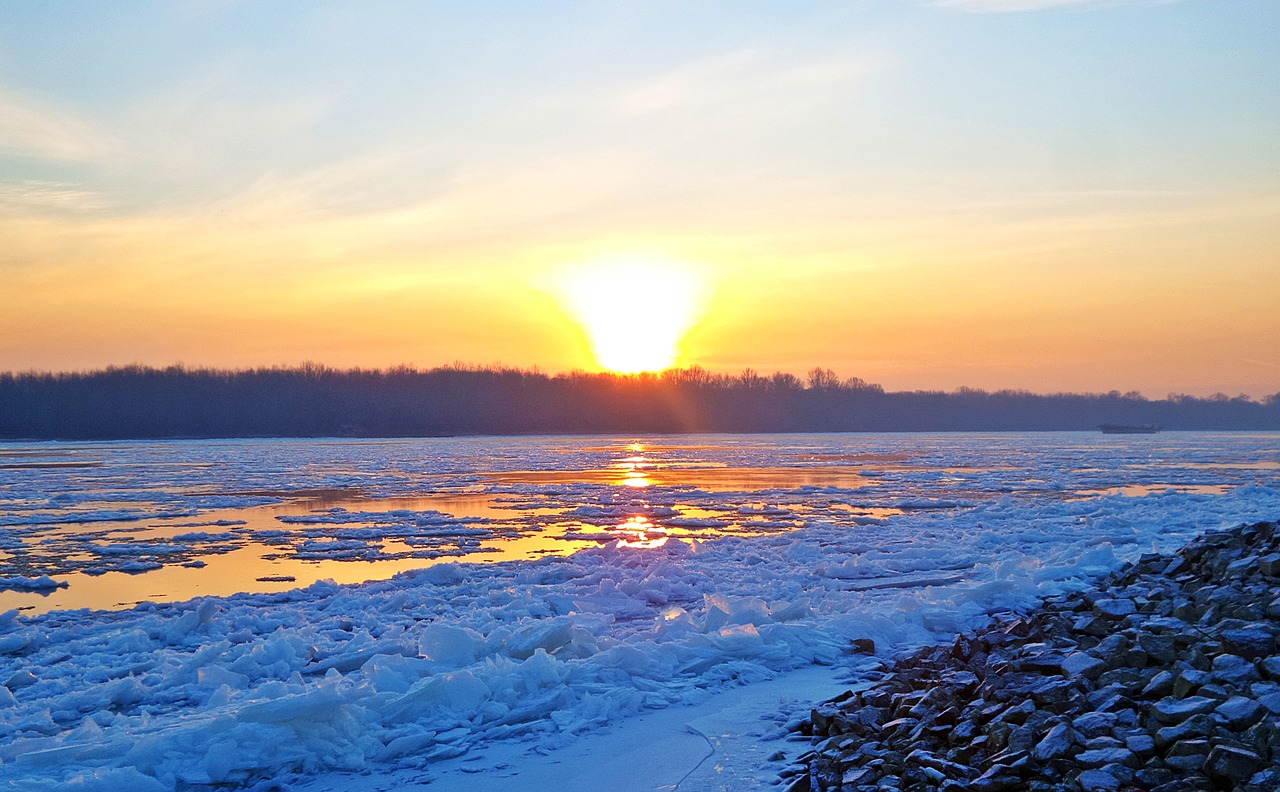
<point>634,311</point>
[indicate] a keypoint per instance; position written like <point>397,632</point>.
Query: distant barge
<point>1129,429</point>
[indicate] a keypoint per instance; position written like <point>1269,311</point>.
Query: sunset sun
<point>635,312</point>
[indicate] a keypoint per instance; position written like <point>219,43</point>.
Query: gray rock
<point>1094,724</point>
<point>1239,713</point>
<point>1233,764</point>
<point>1188,748</point>
<point>1271,701</point>
<point>1160,648</point>
<point>1021,739</point>
<point>1188,763</point>
<point>1172,710</point>
<point>1096,780</point>
<point>1234,670</point>
<point>1214,690</point>
<point>1107,756</point>
<point>1250,642</point>
<point>856,776</point>
<point>1160,685</point>
<point>1114,608</point>
<point>1096,743</point>
<point>996,779</point>
<point>1189,680</point>
<point>1195,727</point>
<point>1079,664</point>
<point>1055,745</point>
<point>1151,777</point>
<point>1122,772</point>
<point>1271,667</point>
<point>1142,744</point>
<point>1166,624</point>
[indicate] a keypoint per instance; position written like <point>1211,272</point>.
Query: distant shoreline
<point>140,403</point>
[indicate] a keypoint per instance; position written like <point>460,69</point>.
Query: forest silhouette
<point>138,402</point>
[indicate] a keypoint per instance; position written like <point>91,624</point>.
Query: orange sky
<point>992,194</point>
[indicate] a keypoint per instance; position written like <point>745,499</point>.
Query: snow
<point>551,670</point>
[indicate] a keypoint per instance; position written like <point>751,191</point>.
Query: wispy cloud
<point>45,196</point>
<point>28,128</point>
<point>739,75</point>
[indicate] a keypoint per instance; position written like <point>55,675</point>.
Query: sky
<point>1052,195</point>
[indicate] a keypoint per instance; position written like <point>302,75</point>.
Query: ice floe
<point>438,661</point>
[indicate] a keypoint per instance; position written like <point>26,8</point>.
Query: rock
<point>1195,727</point>
<point>1108,689</point>
<point>1187,755</point>
<point>1107,756</point>
<point>1234,670</point>
<point>1271,667</point>
<point>1096,743</point>
<point>1142,744</point>
<point>1250,642</point>
<point>864,646</point>
<point>1238,713</point>
<point>997,779</point>
<point>1093,724</point>
<point>1152,777</point>
<point>1054,745</point>
<point>1233,764</point>
<point>1188,681</point>
<point>1114,608</point>
<point>1189,763</point>
<point>1160,685</point>
<point>858,776</point>
<point>1098,780</point>
<point>1079,664</point>
<point>1271,701</point>
<point>1172,710</point>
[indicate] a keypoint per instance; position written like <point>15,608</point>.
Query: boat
<point>1129,428</point>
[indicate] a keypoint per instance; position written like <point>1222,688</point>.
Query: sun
<point>635,310</point>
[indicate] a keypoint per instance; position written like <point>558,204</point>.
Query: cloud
<point>743,75</point>
<point>45,195</point>
<point>30,129</point>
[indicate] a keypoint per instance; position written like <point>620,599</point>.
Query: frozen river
<point>370,609</point>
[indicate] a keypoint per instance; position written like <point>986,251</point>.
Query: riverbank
<point>1164,676</point>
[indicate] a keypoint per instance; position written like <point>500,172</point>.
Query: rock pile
<point>1165,676</point>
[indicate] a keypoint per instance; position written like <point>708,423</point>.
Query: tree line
<point>136,402</point>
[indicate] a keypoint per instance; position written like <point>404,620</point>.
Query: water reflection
<point>367,510</point>
<point>637,532</point>
<point>707,479</point>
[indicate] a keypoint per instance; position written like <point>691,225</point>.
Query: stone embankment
<point>1164,677</point>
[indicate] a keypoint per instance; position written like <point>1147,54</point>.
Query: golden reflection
<point>640,533</point>
<point>634,469</point>
<point>636,478</point>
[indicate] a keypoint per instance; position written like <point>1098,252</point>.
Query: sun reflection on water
<point>634,468</point>
<point>640,533</point>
